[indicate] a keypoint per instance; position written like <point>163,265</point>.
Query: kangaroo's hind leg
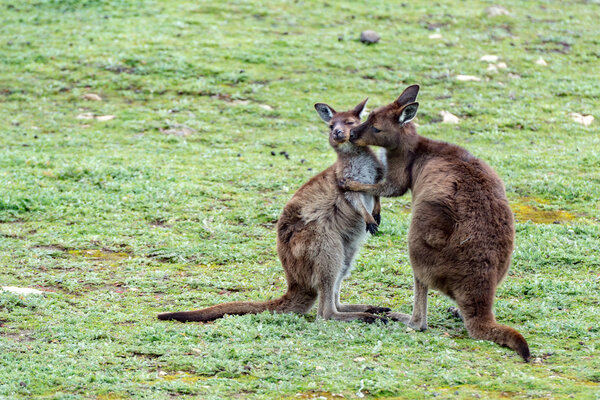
<point>350,253</point>
<point>418,320</point>
<point>329,265</point>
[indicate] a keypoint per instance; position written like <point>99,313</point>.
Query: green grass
<point>120,220</point>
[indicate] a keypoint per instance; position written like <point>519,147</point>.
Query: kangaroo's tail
<point>503,335</point>
<point>286,303</point>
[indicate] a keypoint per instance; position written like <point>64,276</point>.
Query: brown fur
<point>318,235</point>
<point>462,231</point>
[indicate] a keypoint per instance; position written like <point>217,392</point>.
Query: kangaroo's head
<point>389,126</point>
<point>340,123</point>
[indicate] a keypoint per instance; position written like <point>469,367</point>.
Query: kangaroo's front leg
<point>377,210</point>
<point>356,201</point>
<point>385,188</point>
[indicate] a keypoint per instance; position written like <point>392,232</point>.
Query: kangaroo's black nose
<point>338,134</point>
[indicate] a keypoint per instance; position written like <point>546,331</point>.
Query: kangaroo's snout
<point>338,134</point>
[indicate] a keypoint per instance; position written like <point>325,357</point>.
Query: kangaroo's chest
<point>363,169</point>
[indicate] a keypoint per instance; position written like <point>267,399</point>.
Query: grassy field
<point>162,194</point>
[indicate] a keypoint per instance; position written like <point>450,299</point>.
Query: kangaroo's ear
<point>325,112</point>
<point>408,96</point>
<point>360,108</point>
<point>408,113</point>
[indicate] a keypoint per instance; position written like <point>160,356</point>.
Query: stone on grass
<point>435,36</point>
<point>103,118</point>
<point>21,291</point>
<point>468,78</point>
<point>449,118</point>
<point>92,97</point>
<point>585,120</point>
<point>178,130</point>
<point>496,11</point>
<point>489,58</point>
<point>541,61</point>
<point>369,37</point>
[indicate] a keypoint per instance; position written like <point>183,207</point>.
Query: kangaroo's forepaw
<point>372,228</point>
<point>378,310</point>
<point>455,312</point>
<point>343,184</point>
<point>377,218</point>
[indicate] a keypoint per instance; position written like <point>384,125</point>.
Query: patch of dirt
<point>20,336</point>
<point>56,247</point>
<point>101,254</point>
<point>160,223</point>
<point>11,236</point>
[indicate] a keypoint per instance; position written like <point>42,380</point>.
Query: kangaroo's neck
<point>415,151</point>
<point>405,160</point>
<point>357,160</point>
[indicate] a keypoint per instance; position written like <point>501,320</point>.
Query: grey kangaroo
<point>462,231</point>
<point>319,233</point>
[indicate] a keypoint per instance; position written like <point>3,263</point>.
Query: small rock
<point>319,368</point>
<point>489,58</point>
<point>162,373</point>
<point>360,359</point>
<point>492,68</point>
<point>241,102</point>
<point>468,78</point>
<point>541,61</point>
<point>369,37</point>
<point>585,120</point>
<point>103,118</point>
<point>496,11</point>
<point>178,130</point>
<point>85,116</point>
<point>23,291</point>
<point>435,36</point>
<point>514,76</point>
<point>92,97</point>
<point>501,65</point>
<point>266,107</point>
<point>449,118</point>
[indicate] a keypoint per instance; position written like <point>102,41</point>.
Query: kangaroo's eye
<point>349,122</point>
<point>375,130</point>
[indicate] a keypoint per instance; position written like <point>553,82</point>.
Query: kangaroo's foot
<point>362,308</point>
<point>407,320</point>
<point>455,312</point>
<point>355,316</point>
<point>377,310</point>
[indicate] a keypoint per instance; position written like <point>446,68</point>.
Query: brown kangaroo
<point>318,234</point>
<point>462,231</point>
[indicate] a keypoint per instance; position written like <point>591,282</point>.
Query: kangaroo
<point>462,231</point>
<point>318,234</point>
